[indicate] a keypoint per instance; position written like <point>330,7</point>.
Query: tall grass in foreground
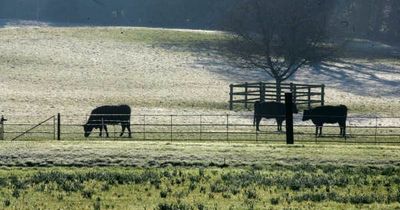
<point>270,187</point>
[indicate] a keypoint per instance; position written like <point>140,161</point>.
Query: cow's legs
<point>101,131</point>
<point>316,131</point>
<point>320,130</point>
<point>258,120</point>
<point>279,122</point>
<point>123,130</point>
<point>129,131</point>
<point>105,129</point>
<point>342,130</point>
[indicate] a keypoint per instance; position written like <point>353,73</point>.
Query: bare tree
<point>278,36</point>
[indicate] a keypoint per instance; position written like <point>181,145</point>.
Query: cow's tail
<point>256,105</point>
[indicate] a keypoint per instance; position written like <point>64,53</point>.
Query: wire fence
<point>230,128</point>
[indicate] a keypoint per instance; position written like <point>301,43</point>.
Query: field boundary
<point>230,128</point>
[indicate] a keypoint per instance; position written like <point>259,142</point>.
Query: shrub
<point>97,204</point>
<point>163,194</point>
<point>274,201</point>
<point>7,202</point>
<point>3,182</point>
<point>174,206</point>
<point>362,199</point>
<point>192,186</point>
<point>201,172</point>
<point>218,187</point>
<point>226,195</point>
<point>18,184</point>
<point>105,187</point>
<point>251,194</point>
<point>203,189</point>
<point>15,193</point>
<point>87,194</point>
<point>71,186</point>
<point>60,197</point>
<point>201,206</point>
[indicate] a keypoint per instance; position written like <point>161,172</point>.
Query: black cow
<point>270,110</point>
<point>109,115</point>
<point>327,114</point>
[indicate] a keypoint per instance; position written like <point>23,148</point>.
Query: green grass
<point>164,175</point>
<point>276,186</point>
<point>161,154</point>
<point>158,37</point>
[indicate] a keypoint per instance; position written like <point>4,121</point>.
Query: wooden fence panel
<point>248,93</point>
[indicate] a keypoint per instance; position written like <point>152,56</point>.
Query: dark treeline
<point>158,13</point>
<point>372,19</point>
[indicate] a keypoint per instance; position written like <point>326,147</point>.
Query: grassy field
<point>49,70</point>
<point>162,154</point>
<point>134,175</point>
<point>75,69</point>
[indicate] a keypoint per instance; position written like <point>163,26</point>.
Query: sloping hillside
<point>71,70</point>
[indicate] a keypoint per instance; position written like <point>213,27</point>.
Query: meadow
<point>162,71</point>
<point>71,70</point>
<point>147,175</point>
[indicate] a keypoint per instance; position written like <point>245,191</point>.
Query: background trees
<point>372,19</point>
<point>278,36</point>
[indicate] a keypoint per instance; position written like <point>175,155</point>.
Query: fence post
<point>144,127</point>
<point>171,128</point>
<point>289,118</point>
<point>322,95</point>
<point>376,129</point>
<point>2,120</point>
<point>201,127</point>
<point>102,127</point>
<point>114,132</point>
<point>309,97</point>
<point>58,126</point>
<point>262,91</point>
<point>231,97</point>
<point>54,128</point>
<point>245,95</point>
<point>227,127</point>
<point>293,91</point>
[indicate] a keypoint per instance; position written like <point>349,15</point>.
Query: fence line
<point>199,127</point>
<point>250,92</point>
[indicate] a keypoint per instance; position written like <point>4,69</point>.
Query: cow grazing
<point>270,110</point>
<point>109,115</point>
<point>327,114</point>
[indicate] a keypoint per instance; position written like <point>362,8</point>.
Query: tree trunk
<point>278,90</point>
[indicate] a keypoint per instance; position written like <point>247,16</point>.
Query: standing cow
<point>270,110</point>
<point>109,115</point>
<point>327,114</point>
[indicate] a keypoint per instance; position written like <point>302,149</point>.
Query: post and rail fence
<point>248,93</point>
<point>202,128</point>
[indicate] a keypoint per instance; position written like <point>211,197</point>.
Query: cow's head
<point>87,128</point>
<point>306,115</point>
